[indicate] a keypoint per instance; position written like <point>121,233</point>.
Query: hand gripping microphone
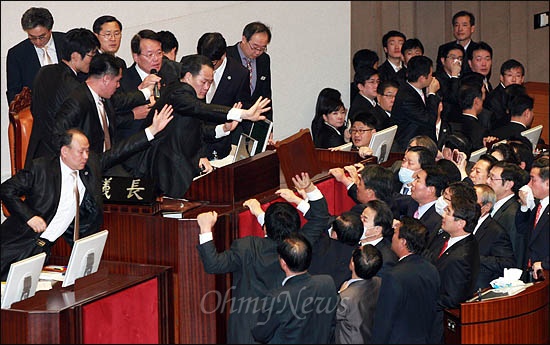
<point>156,91</point>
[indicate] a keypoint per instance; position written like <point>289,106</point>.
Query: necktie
<point>249,66</point>
<point>416,214</point>
<point>211,91</point>
<point>405,190</point>
<point>77,199</point>
<point>537,215</point>
<point>47,58</point>
<point>444,248</point>
<point>105,125</point>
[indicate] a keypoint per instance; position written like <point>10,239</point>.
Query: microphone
<point>156,91</point>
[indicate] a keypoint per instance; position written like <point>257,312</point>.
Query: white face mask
<point>365,229</point>
<point>440,205</point>
<point>406,175</point>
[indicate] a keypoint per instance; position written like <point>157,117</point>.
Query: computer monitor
<point>245,148</point>
<point>85,257</point>
<point>261,130</point>
<point>22,279</point>
<point>381,143</point>
<point>533,134</point>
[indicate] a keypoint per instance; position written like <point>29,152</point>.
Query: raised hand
<point>161,119</point>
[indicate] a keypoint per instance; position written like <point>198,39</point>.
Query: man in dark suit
<point>414,112</point>
<point>108,31</point>
<point>358,297</point>
<point>385,98</point>
<point>251,52</point>
<point>480,59</point>
<point>53,84</point>
<point>406,307</point>
<point>367,81</point>
<point>534,222</point>
<point>495,247</point>
<point>392,41</point>
<point>25,59</point>
<point>470,99</point>
<point>448,76</point>
<point>49,207</point>
<point>464,25</point>
<point>521,112</point>
<point>231,84</point>
<point>304,308</point>
<point>253,261</point>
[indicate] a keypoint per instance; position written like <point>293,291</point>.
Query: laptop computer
<point>533,134</point>
<point>85,257</point>
<point>261,130</point>
<point>381,143</point>
<point>246,147</point>
<point>22,279</point>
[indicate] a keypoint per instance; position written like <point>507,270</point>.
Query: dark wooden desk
<point>518,319</point>
<point>69,315</point>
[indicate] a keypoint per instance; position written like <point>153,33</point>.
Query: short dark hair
<point>479,46</point>
<point>463,188</point>
<point>384,216</point>
<point>451,170</point>
<point>542,164</point>
<point>105,64</point>
<point>506,151</point>
<point>65,138</point>
<point>437,177</point>
<point>367,261</point>
<point>512,172</point>
<point>364,57</point>
<point>453,46</point>
<point>464,14</point>
<point>363,74</point>
<point>379,179</point>
<point>418,66</point>
<point>296,251</point>
<point>98,23</point>
<point>36,16</point>
<point>460,142</point>
<point>414,232</point>
<point>168,41</point>
<point>384,84</point>
<point>348,227</point>
<point>281,218</point>
<point>366,118</point>
<point>519,103</point>
<point>193,64</point>
<point>466,209</point>
<point>425,155</point>
<point>256,27</point>
<point>412,43</point>
<point>212,45</point>
<point>79,40</point>
<point>467,94</point>
<point>143,34</point>
<point>509,64</point>
<point>426,141</point>
<point>392,33</point>
<point>524,151</point>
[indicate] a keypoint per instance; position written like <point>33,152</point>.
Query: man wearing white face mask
<point>377,219</point>
<point>416,157</point>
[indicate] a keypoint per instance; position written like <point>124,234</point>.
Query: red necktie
<point>537,215</point>
<point>443,249</point>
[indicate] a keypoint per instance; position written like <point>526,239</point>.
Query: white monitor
<point>474,156</point>
<point>22,279</point>
<point>245,148</point>
<point>533,134</point>
<point>261,131</point>
<point>85,257</point>
<point>381,143</point>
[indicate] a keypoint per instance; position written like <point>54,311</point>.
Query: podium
<point>518,319</point>
<point>120,303</point>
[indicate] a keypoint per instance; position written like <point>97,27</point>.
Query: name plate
<point>127,190</point>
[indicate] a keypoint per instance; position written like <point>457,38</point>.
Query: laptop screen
<point>246,147</point>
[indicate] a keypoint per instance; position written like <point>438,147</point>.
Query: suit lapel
<point>541,224</point>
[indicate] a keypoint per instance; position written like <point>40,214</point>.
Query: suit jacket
<point>511,130</point>
<point>406,308</point>
<point>52,85</point>
<point>496,102</point>
<point>465,65</point>
<point>263,80</point>
<point>328,137</point>
<point>413,116</point>
<point>506,217</point>
<point>254,264</point>
<point>80,110</point>
<point>382,118</point>
<point>448,91</point>
<point>360,104</point>
<point>495,250</point>
<point>22,64</point>
<point>431,219</point>
<point>40,183</point>
<point>234,87</point>
<point>472,129</point>
<point>458,269</point>
<point>538,237</point>
<point>331,257</point>
<point>389,258</point>
<point>355,313</point>
<point>386,72</point>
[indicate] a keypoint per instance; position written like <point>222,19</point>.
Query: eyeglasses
<point>109,34</point>
<point>150,56</point>
<point>37,38</point>
<point>453,57</point>
<point>495,179</point>
<point>258,49</point>
<point>360,131</point>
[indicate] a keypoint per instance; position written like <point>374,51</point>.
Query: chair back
<point>19,129</point>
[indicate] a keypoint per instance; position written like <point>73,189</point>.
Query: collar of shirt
<point>243,56</point>
<point>66,175</point>
<point>513,121</point>
<point>287,278</point>
<point>499,203</point>
<point>422,209</point>
<point>467,44</point>
<point>94,95</point>
<point>470,115</point>
<point>219,72</point>
<point>419,91</point>
<point>373,242</point>
<point>51,50</point>
<point>142,73</point>
<point>453,240</point>
<point>331,126</point>
<point>396,68</point>
<point>371,101</point>
<point>544,203</point>
<point>480,221</point>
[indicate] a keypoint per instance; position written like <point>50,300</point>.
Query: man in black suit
<point>495,247</point>
<point>108,31</point>
<point>362,58</point>
<point>53,84</point>
<point>253,261</point>
<point>534,221</point>
<point>521,118</point>
<point>385,98</point>
<point>392,41</point>
<point>411,47</point>
<point>464,25</point>
<point>304,308</point>
<point>367,80</point>
<point>414,112</point>
<point>251,51</point>
<point>49,207</point>
<point>413,279</point>
<point>25,59</point>
<point>230,86</point>
<point>449,82</point>
<point>471,99</point>
<point>480,59</point>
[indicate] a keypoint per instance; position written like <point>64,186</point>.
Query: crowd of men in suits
<point>423,235</point>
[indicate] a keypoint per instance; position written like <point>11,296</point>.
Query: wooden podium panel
<point>539,91</point>
<point>58,316</point>
<point>239,181</point>
<point>518,319</point>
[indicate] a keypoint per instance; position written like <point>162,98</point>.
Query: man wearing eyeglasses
<point>108,30</point>
<point>251,51</point>
<point>367,81</point>
<point>25,59</point>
